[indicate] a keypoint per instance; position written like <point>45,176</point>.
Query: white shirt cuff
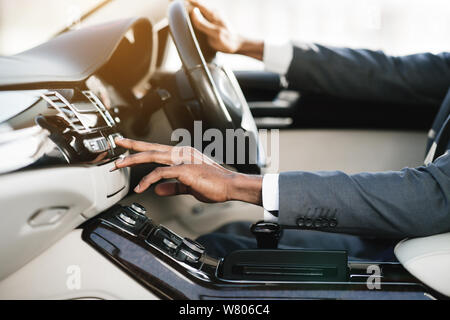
<point>270,196</point>
<point>278,57</point>
<point>268,217</point>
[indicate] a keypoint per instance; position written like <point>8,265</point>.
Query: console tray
<point>286,265</point>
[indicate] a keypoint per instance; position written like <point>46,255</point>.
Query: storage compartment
<point>286,265</point>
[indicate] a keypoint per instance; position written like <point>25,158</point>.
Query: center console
<point>175,267</point>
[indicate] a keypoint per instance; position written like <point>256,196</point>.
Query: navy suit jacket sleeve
<point>370,75</point>
<point>407,203</point>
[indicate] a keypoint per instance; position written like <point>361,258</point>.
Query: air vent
<point>66,110</point>
<point>81,115</point>
<point>100,107</point>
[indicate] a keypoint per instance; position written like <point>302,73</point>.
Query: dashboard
<point>60,111</point>
<point>56,172</point>
<point>69,126</point>
<point>62,104</point>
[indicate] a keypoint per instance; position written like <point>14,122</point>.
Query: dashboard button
<point>188,256</point>
<point>97,145</point>
<point>112,138</point>
<point>139,209</point>
<point>190,251</point>
<point>194,246</point>
<point>127,219</point>
<point>170,244</point>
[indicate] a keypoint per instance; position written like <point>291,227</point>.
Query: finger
<point>188,155</point>
<point>157,175</point>
<point>203,25</point>
<point>140,145</point>
<point>145,157</point>
<point>171,189</point>
<point>177,156</point>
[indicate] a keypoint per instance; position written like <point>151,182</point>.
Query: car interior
<point>67,212</point>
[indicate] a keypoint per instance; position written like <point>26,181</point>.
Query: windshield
<point>27,23</point>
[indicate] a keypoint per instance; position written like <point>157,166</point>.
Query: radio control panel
<point>133,221</point>
<point>80,125</point>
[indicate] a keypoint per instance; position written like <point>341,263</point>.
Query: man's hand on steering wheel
<point>195,173</point>
<point>220,37</point>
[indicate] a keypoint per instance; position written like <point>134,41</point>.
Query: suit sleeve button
<point>300,222</point>
<point>333,223</point>
<point>318,223</point>
<point>308,223</point>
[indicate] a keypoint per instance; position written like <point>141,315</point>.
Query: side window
<point>396,26</point>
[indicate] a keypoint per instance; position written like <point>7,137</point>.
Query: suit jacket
<point>407,203</point>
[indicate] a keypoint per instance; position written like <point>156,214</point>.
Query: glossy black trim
<point>170,279</point>
<point>74,121</point>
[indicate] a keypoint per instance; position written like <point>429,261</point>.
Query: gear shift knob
<point>267,234</point>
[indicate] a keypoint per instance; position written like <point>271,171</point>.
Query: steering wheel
<point>222,101</point>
